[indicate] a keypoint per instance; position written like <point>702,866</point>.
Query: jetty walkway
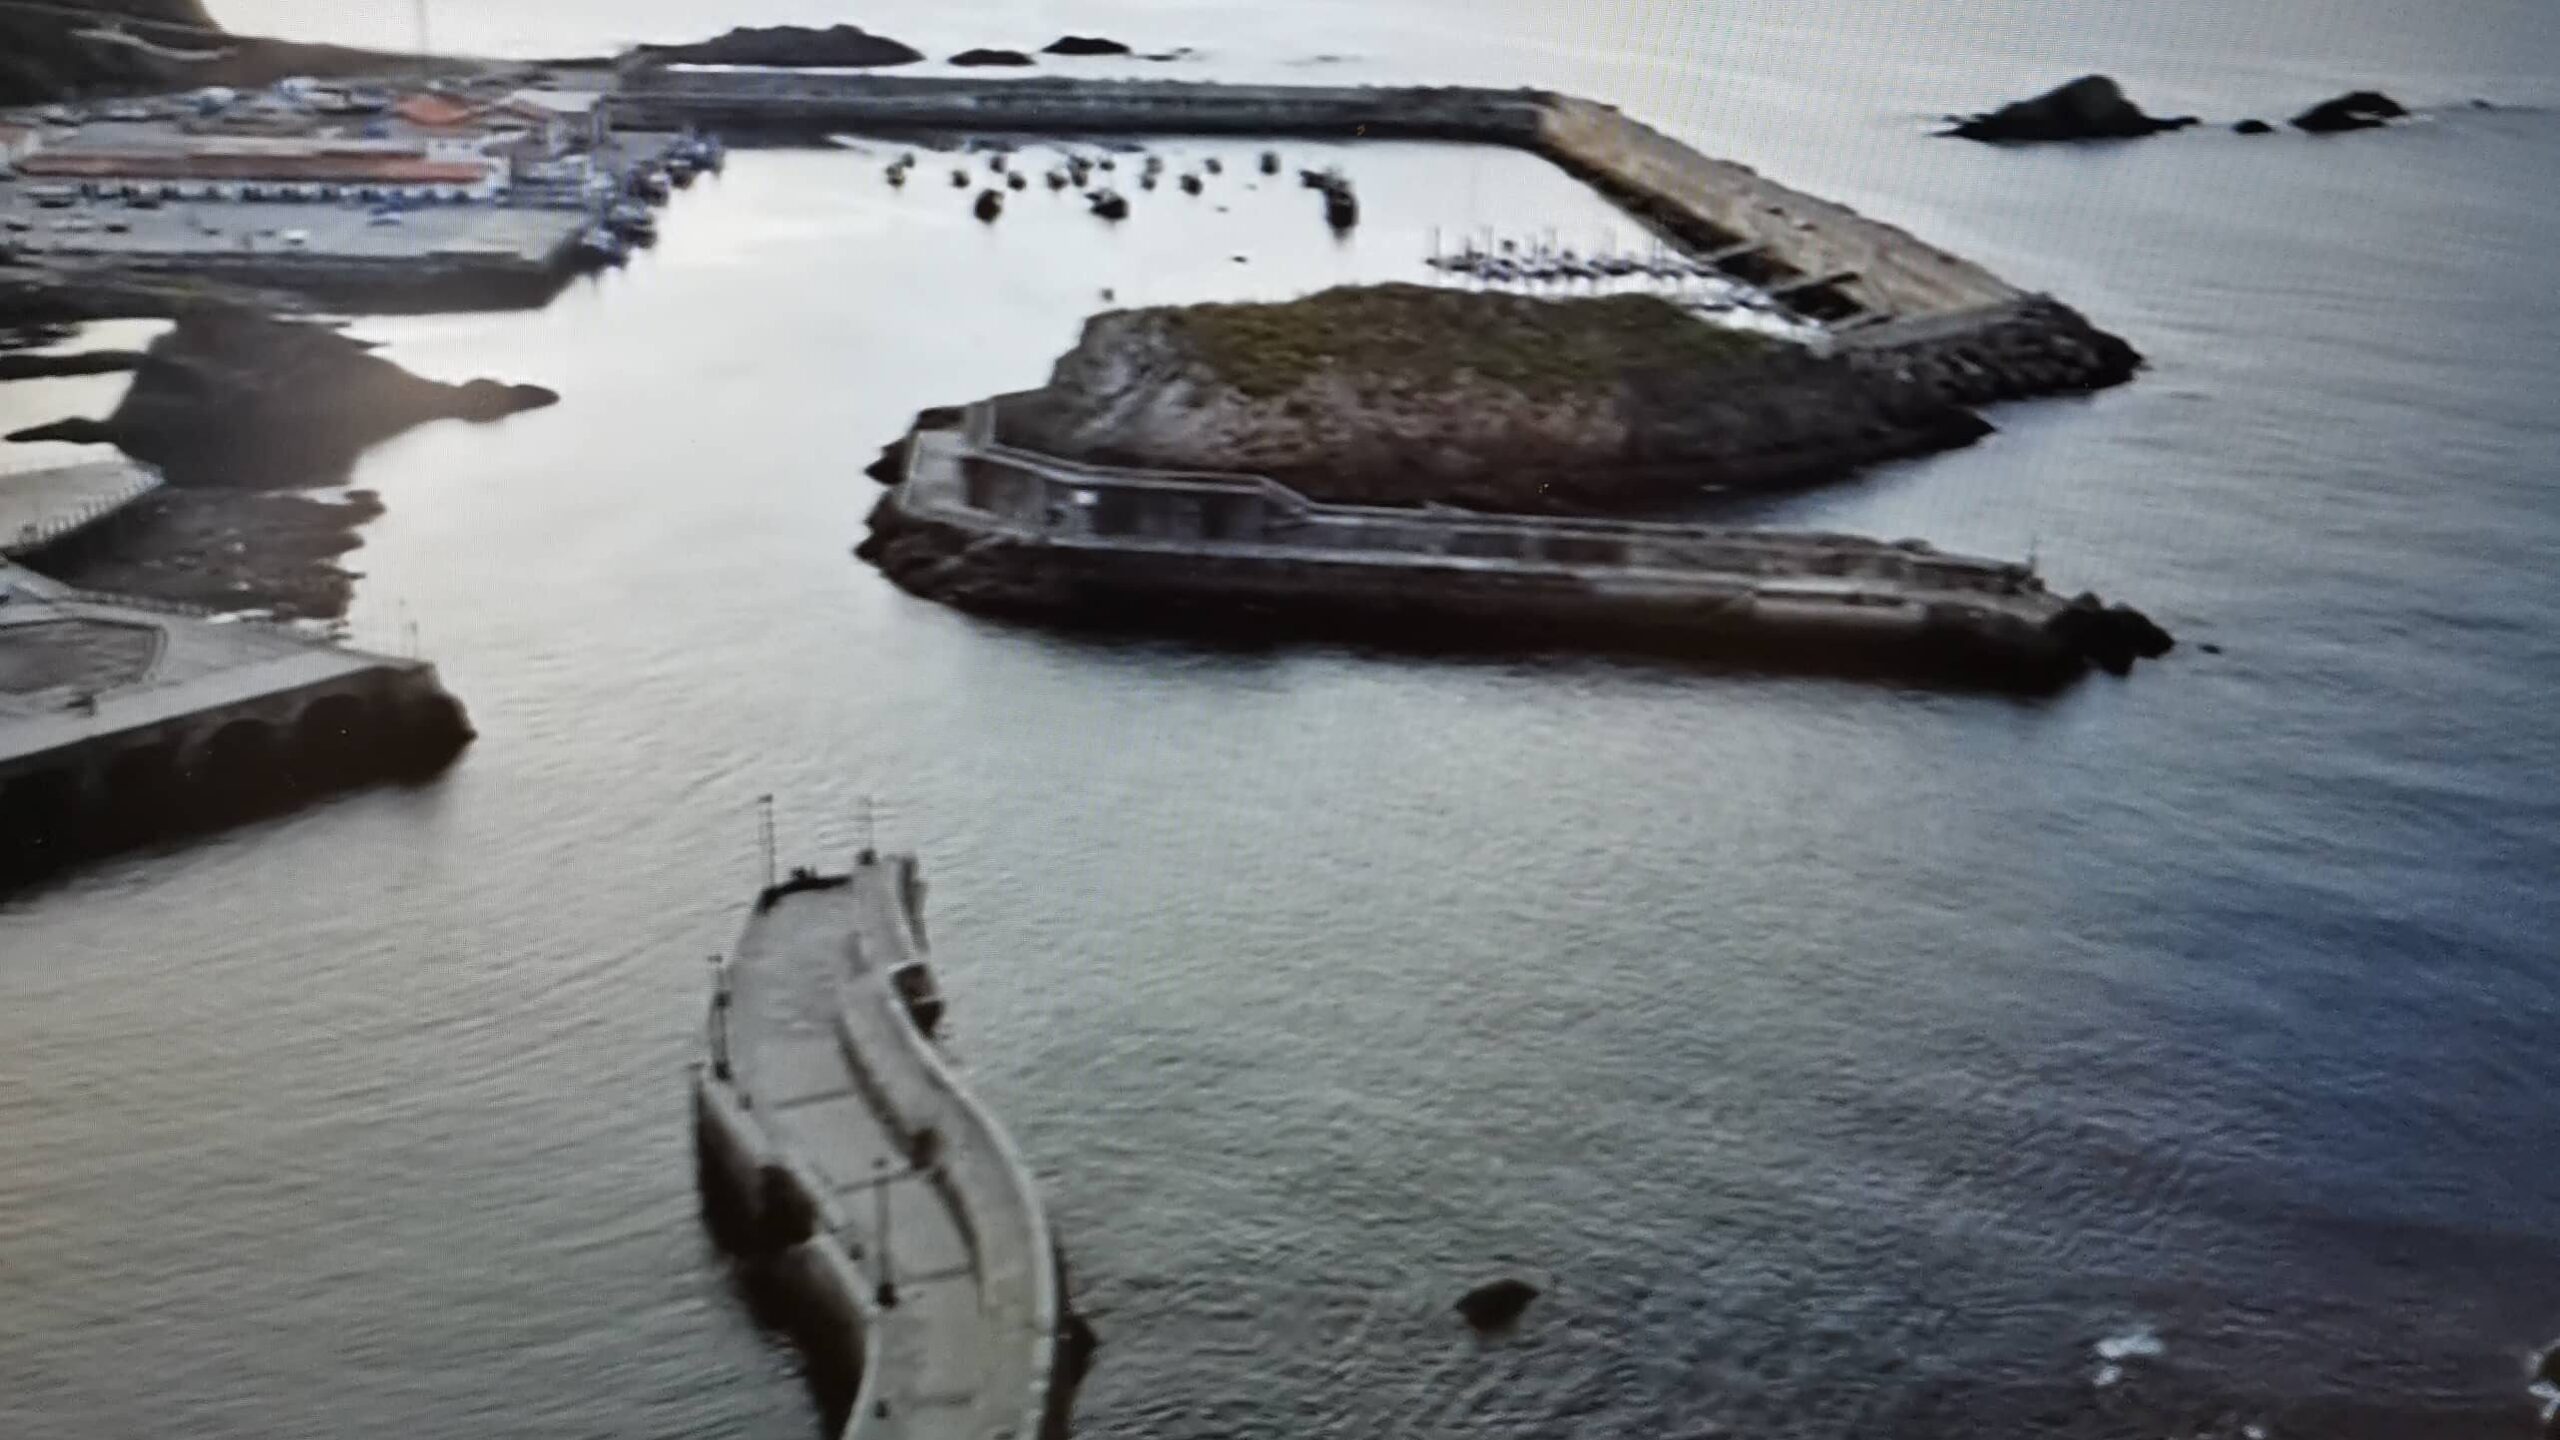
<point>895,1212</point>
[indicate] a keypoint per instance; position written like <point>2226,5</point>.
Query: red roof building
<point>294,168</point>
<point>436,112</point>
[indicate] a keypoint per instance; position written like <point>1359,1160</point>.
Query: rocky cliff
<point>43,55</point>
<point>1402,394</point>
<point>129,47</point>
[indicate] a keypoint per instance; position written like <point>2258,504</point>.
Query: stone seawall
<point>794,101</point>
<point>985,526</point>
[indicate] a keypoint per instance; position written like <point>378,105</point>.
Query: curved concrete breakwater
<point>880,1205</point>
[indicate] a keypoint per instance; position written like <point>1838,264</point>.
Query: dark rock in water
<point>1190,184</point>
<point>2110,637</point>
<point>235,397</point>
<point>790,45</point>
<point>483,401</point>
<point>1014,181</point>
<point>2092,107</point>
<point>990,204</point>
<point>1496,1303</point>
<point>1083,45</point>
<point>2210,648</point>
<point>2355,110</point>
<point>991,57</point>
<point>94,362</point>
<point>2548,1371</point>
<point>2253,127</point>
<point>75,431</point>
<point>1110,205</point>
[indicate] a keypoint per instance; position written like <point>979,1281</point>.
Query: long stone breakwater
<point>988,526</point>
<point>881,1209</point>
<point>1889,298</point>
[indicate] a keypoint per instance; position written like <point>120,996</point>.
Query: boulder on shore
<point>236,397</point>
<point>1496,1303</point>
<point>1083,45</point>
<point>2110,637</point>
<point>2092,107</point>
<point>2355,110</point>
<point>790,45</point>
<point>991,57</point>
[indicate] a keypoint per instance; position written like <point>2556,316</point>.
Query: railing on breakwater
<point>36,535</point>
<point>969,474</point>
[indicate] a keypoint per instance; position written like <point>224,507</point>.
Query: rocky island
<point>236,397</point>
<point>1409,395</point>
<point>2093,107</point>
<point>240,410</point>
<point>1403,460</point>
<point>782,46</point>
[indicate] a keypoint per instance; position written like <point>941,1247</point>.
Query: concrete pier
<point>39,508</point>
<point>121,721</point>
<point>870,1188</point>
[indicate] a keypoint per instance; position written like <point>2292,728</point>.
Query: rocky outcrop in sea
<point>2092,107</point>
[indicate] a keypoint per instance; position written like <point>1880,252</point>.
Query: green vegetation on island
<point>1416,336</point>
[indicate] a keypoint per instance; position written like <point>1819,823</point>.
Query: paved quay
<point>81,671</point>
<point>41,507</point>
<point>916,1185</point>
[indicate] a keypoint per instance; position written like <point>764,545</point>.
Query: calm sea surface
<point>2176,1054</point>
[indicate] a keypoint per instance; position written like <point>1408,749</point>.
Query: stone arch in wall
<point>240,766</point>
<point>333,738</point>
<point>43,818</point>
<point>139,787</point>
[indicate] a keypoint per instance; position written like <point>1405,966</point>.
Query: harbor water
<point>2172,1056</point>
